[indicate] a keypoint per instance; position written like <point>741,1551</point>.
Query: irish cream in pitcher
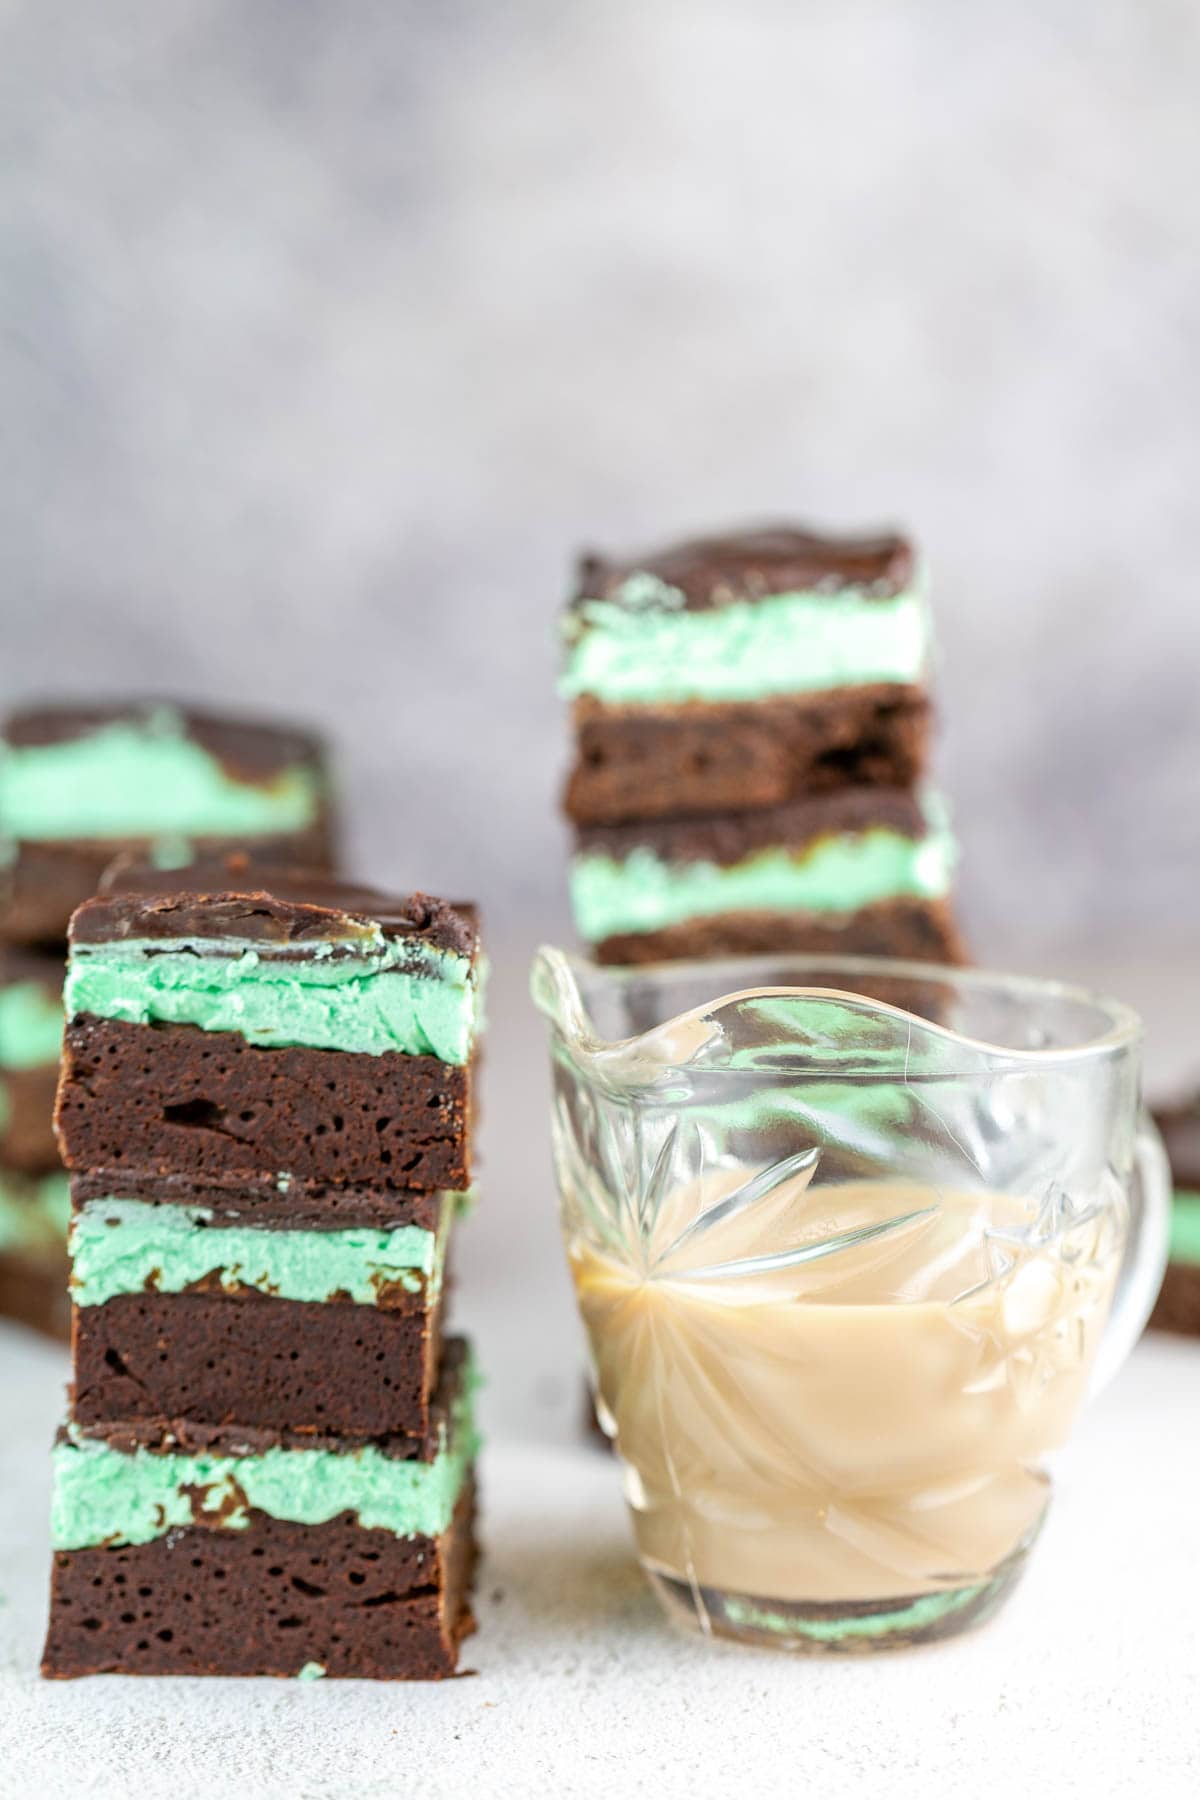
<point>852,1241</point>
<point>842,1394</point>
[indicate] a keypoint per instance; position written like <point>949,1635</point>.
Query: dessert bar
<point>269,1022</point>
<point>744,671</point>
<point>80,783</point>
<point>863,870</point>
<point>226,1304</point>
<point>241,1551</point>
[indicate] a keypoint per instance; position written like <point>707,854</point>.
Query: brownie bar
<point>1180,1128</point>
<point>912,930</point>
<point>274,1599</point>
<point>642,762</point>
<point>357,1561</point>
<point>1177,1308</point>
<point>859,870</point>
<point>177,1100</point>
<point>27,1138</point>
<point>31,1020</point>
<point>78,784</point>
<point>33,1291</point>
<point>180,1314</point>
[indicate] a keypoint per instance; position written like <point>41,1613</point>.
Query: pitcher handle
<point>1145,1257</point>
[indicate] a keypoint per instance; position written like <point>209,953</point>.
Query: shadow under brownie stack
<point>265,1106</point>
<point>752,725</point>
<point>78,784</point>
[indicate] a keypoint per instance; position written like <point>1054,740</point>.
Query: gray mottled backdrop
<point>330,330</point>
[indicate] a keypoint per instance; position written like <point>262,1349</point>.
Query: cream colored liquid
<point>863,1425</point>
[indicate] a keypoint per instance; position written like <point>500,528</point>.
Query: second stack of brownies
<point>752,725</point>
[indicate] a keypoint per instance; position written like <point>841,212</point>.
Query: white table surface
<point>1087,1683</point>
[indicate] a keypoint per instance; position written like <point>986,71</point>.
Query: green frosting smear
<point>641,892</point>
<point>121,1246</point>
<point>108,1496</point>
<point>31,1026</point>
<point>34,1212</point>
<point>143,778</point>
<point>312,1671</point>
<point>1185,1228</point>
<point>784,644</point>
<point>371,998</point>
<point>913,1615</point>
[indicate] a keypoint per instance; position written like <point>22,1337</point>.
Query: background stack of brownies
<point>752,727</point>
<point>265,1105</point>
<point>78,784</point>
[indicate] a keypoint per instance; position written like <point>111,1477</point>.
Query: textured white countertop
<point>1088,1682</point>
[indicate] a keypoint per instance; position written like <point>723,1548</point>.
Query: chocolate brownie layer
<point>291,1364</point>
<point>274,1599</point>
<point>33,1291</point>
<point>230,898</point>
<point>726,838</point>
<point>175,1100</point>
<point>45,882</point>
<point>750,565</point>
<point>912,930</point>
<point>188,1436</point>
<point>1178,1305</point>
<point>1180,1128</point>
<point>643,762</point>
<point>282,1203</point>
<point>27,1139</point>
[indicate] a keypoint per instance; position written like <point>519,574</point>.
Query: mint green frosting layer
<point>357,999</point>
<point>108,1496</point>
<point>1185,1228</point>
<point>910,1616</point>
<point>139,779</point>
<point>34,1212</point>
<point>641,892</point>
<point>785,644</point>
<point>121,1246</point>
<point>31,1026</point>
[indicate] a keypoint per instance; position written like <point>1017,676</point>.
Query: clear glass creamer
<point>848,1267</point>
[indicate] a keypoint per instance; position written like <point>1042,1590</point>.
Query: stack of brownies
<point>77,785</point>
<point>265,1107</point>
<point>752,725</point>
